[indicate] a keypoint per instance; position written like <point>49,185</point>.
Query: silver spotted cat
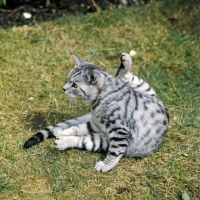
<point>126,118</point>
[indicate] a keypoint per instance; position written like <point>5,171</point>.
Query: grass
<point>34,64</point>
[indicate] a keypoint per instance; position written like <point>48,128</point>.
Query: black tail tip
<point>29,143</point>
<point>35,139</point>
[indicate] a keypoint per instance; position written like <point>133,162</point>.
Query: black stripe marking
<point>117,129</point>
<point>89,127</point>
<point>119,69</point>
<point>136,100</point>
<point>113,153</point>
<point>83,92</point>
<point>158,111</point>
<point>148,142</point>
<point>95,104</point>
<point>148,89</point>
<point>101,144</point>
<point>147,133</point>
<point>123,133</point>
<point>92,138</point>
<point>113,111</point>
<point>140,84</point>
<point>114,146</point>
<point>117,139</point>
<point>107,124</point>
<point>140,95</point>
<point>112,121</point>
<point>115,91</point>
<point>84,146</point>
<point>145,107</point>
<point>122,145</point>
<point>158,130</point>
<point>50,133</point>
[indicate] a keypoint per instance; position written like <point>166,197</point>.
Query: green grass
<point>34,63</point>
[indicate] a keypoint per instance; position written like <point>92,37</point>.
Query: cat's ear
<point>95,77</point>
<point>78,60</point>
<point>91,77</point>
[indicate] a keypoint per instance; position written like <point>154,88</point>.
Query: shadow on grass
<point>39,120</point>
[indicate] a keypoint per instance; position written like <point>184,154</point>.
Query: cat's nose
<point>64,89</point>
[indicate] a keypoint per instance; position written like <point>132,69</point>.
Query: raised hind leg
<point>130,79</point>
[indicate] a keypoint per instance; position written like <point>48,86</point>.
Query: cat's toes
<point>102,167</point>
<point>57,132</point>
<point>70,131</point>
<point>126,61</point>
<point>61,143</point>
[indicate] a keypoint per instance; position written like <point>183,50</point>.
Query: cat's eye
<point>74,85</point>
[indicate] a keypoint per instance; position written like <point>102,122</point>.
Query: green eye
<point>75,85</point>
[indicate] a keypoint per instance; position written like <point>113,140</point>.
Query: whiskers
<point>72,102</point>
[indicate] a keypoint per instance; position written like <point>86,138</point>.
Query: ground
<point>13,14</point>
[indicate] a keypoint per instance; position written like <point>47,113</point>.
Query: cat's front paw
<point>68,142</point>
<point>57,132</point>
<point>102,167</point>
<point>61,143</point>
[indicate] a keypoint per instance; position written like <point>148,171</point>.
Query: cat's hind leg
<point>130,79</point>
<point>125,66</point>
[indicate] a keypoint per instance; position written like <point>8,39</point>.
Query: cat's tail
<point>48,131</point>
<point>39,137</point>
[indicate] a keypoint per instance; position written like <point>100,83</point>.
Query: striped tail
<point>48,131</point>
<point>39,137</point>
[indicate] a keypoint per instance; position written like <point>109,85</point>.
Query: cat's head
<point>84,81</point>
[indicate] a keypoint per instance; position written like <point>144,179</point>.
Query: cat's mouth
<point>85,99</point>
<point>70,95</point>
<point>74,96</point>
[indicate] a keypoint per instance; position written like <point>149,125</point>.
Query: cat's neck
<point>110,84</point>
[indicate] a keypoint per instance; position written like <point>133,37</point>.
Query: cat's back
<point>119,101</point>
<point>114,95</point>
